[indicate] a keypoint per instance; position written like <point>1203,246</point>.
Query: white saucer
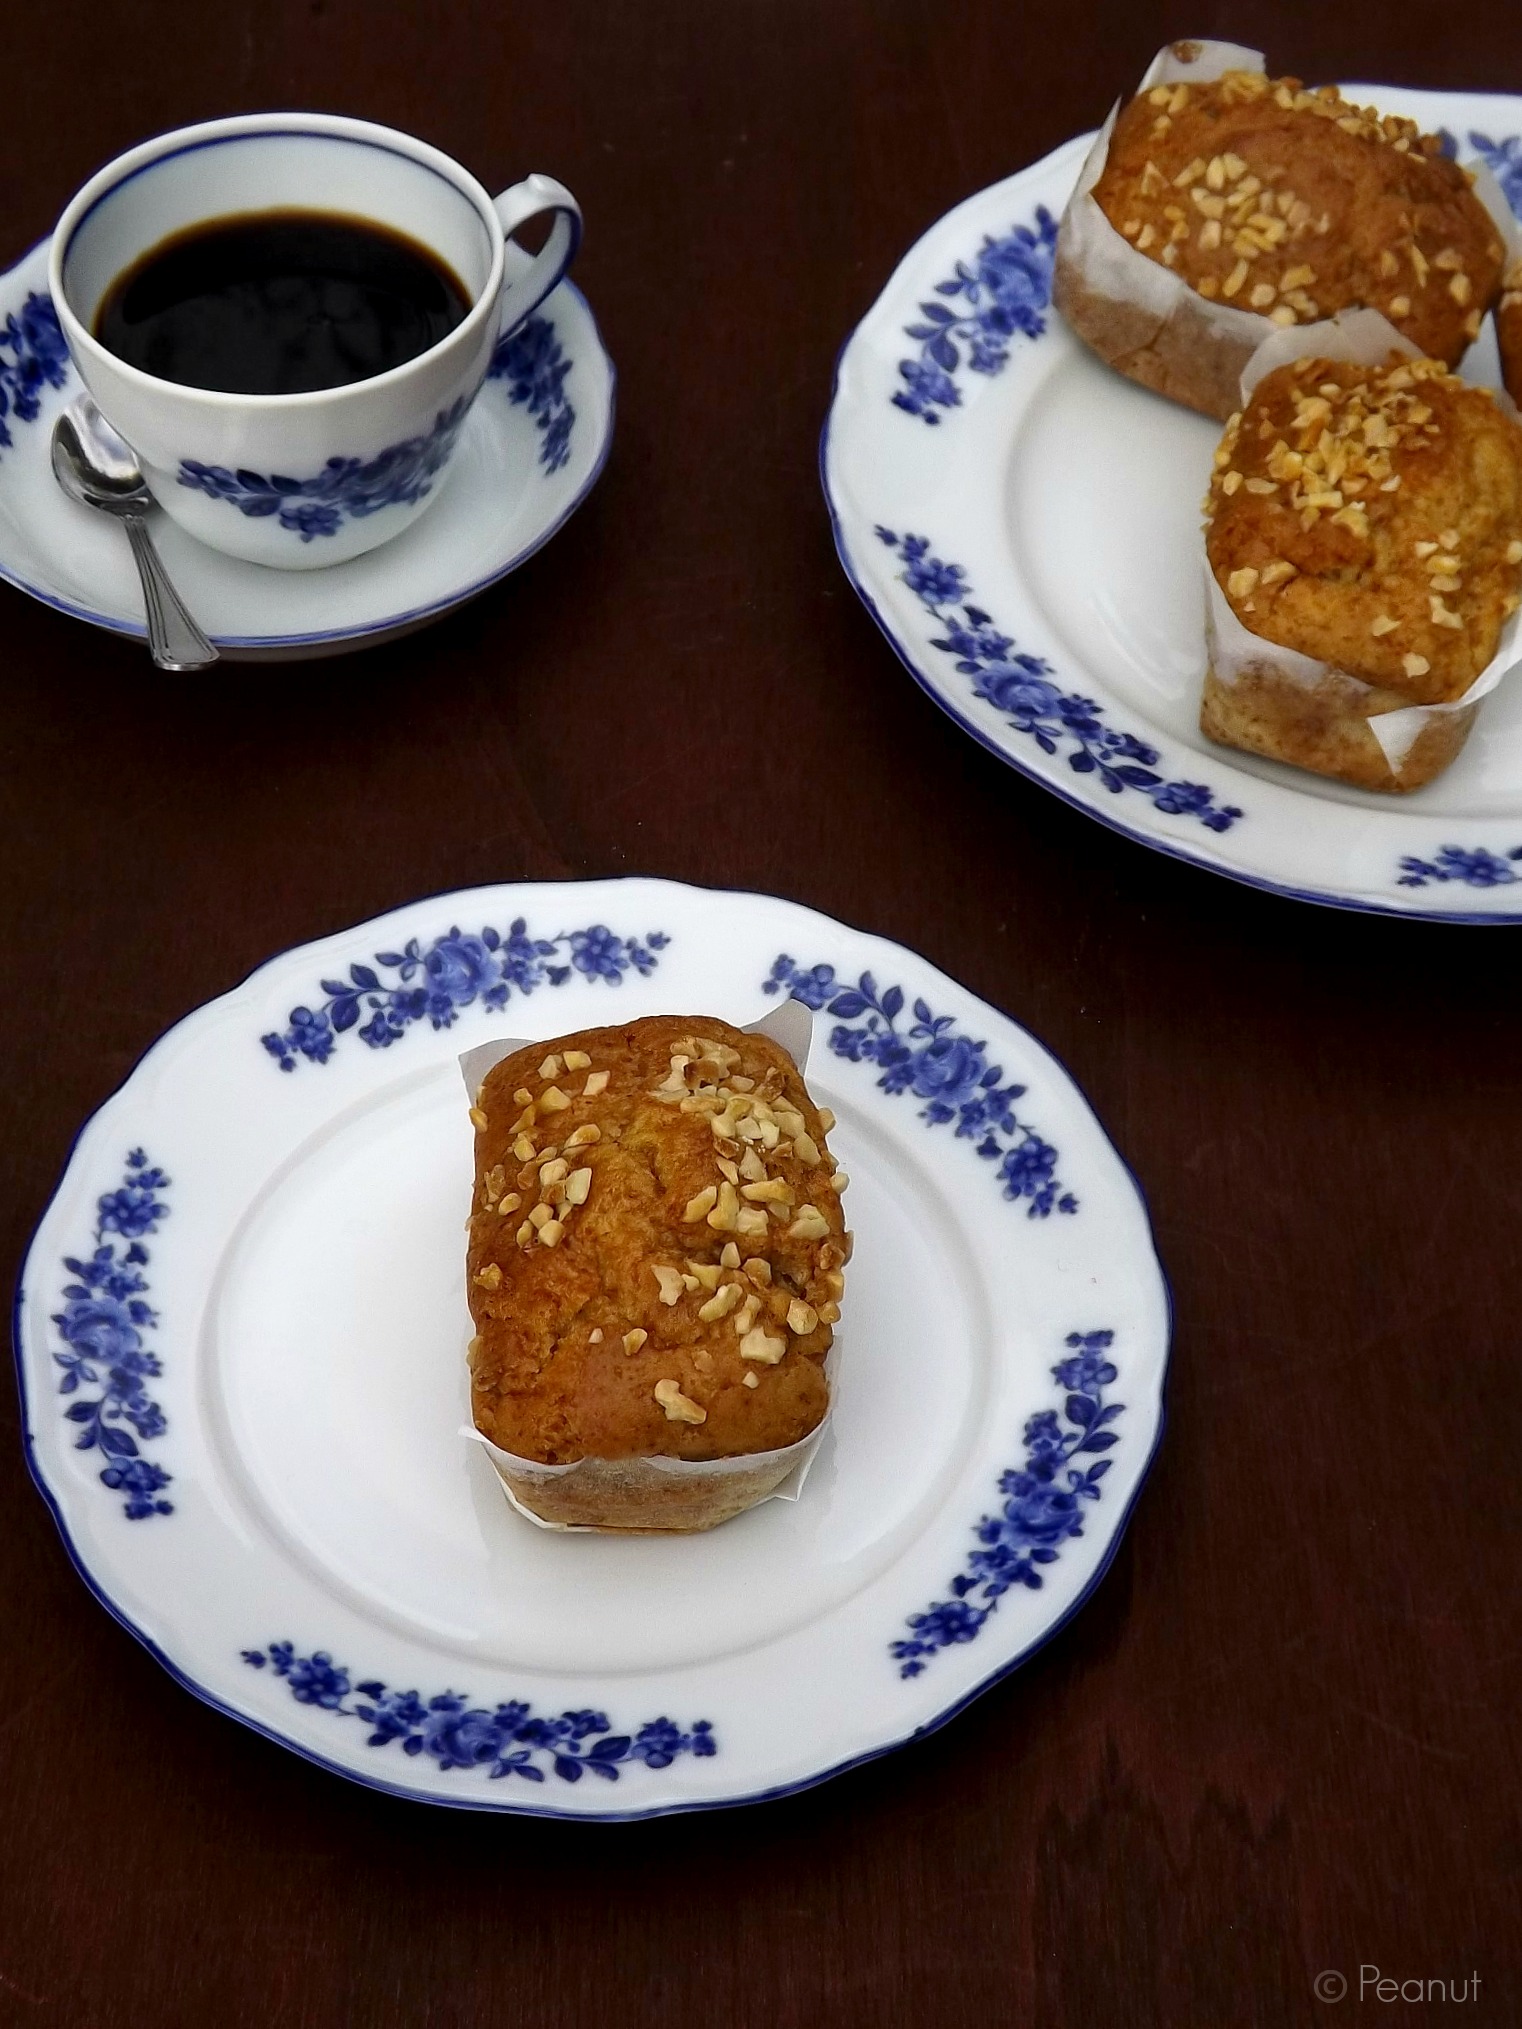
<point>532,447</point>
<point>246,1303</point>
<point>1023,524</point>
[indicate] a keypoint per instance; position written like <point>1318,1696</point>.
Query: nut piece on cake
<point>1272,205</point>
<point>1369,518</point>
<point>655,1270</point>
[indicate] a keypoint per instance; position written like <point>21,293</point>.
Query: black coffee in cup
<point>279,302</point>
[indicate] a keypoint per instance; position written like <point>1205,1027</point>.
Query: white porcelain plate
<point>241,1332</point>
<point>1023,523</point>
<point>532,448</point>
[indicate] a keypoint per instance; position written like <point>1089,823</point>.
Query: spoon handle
<point>174,638</point>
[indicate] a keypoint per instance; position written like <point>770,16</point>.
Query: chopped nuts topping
<point>810,1224</point>
<point>552,1172</point>
<point>670,1280</point>
<point>553,1100</point>
<point>575,1060</point>
<point>721,1303</point>
<point>729,1256</point>
<point>751,1381</point>
<point>760,1346</point>
<point>758,1270</point>
<point>577,1185</point>
<point>490,1277</point>
<point>597,1081</point>
<point>723,1217</point>
<point>478,1119</point>
<point>1383,625</point>
<point>802,1317</point>
<point>700,1206</point>
<point>584,1136</point>
<point>550,1068</point>
<point>839,1182</point>
<point>1243,583</point>
<point>679,1408</point>
<point>541,1215</point>
<point>634,1340</point>
<point>1415,665</point>
<point>523,1148</point>
<point>523,1096</point>
<point>775,1190</point>
<point>551,1233</point>
<point>508,1204</point>
<point>594,1338</point>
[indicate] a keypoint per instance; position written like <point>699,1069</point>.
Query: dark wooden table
<point>1281,1738</point>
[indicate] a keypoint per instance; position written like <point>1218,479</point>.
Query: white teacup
<point>300,480</point>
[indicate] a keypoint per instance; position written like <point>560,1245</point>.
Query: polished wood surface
<point>1281,1738</point>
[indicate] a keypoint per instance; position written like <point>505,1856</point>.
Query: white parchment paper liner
<point>1368,339</point>
<point>1105,263</point>
<point>792,1027</point>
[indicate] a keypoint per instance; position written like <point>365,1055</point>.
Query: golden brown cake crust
<point>1509,331</point>
<point>1293,205</point>
<point>696,1152</point>
<point>1371,517</point>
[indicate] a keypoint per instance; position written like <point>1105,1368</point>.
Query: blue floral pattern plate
<point>241,1332</point>
<point>1023,524</point>
<point>530,449</point>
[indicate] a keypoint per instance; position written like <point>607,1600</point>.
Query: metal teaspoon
<point>94,467</point>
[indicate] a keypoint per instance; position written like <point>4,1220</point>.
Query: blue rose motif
<point>1020,685</point>
<point>456,1734</point>
<point>100,1328</point>
<point>949,1069</point>
<point>1015,689</point>
<point>459,967</point>
<point>1042,1504</point>
<point>1044,1516</point>
<point>462,1739</point>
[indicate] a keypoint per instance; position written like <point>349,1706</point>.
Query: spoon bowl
<point>95,467</point>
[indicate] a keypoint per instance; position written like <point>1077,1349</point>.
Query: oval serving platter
<point>241,1335</point>
<point>1023,524</point>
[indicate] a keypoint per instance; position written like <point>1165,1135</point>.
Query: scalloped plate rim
<point>1401,904</point>
<point>499,1805</point>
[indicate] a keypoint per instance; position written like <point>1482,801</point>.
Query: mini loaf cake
<point>1370,519</point>
<point>655,1270</point>
<point>1287,205</point>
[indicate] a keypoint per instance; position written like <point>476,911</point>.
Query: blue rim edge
<point>466,1803</point>
<point>126,631</point>
<point>984,740</point>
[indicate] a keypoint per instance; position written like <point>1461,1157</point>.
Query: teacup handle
<point>529,199</point>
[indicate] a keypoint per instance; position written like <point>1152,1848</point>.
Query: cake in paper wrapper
<point>1364,558</point>
<point>655,1270</point>
<point>1219,203</point>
